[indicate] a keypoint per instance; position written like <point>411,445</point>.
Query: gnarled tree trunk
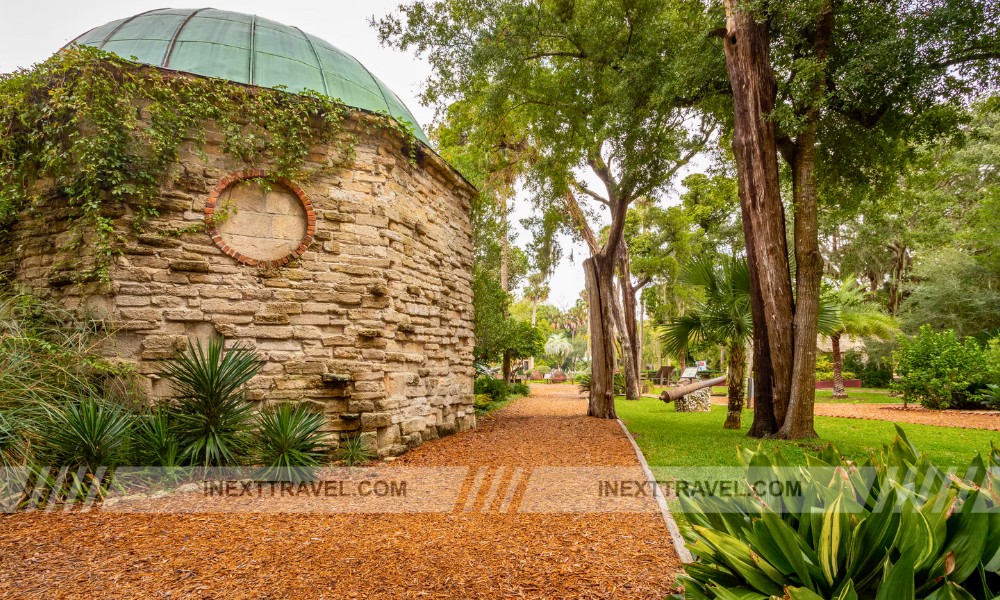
<point>755,147</point>
<point>599,280</point>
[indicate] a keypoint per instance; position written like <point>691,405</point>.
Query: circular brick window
<point>259,220</point>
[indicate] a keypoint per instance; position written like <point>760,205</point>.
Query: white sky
<point>30,31</point>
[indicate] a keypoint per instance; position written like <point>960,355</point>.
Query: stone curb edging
<point>668,519</point>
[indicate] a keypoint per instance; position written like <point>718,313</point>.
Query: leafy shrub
<point>991,395</point>
<point>482,402</point>
<point>492,387</point>
<point>938,370</point>
<point>543,368</point>
<point>518,389</point>
<point>288,441</point>
<point>212,417</point>
<point>895,529</point>
<point>824,368</point>
<point>353,451</point>
<point>872,372</point>
<point>91,433</point>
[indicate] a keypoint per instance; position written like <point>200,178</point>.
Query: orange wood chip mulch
<point>459,554</point>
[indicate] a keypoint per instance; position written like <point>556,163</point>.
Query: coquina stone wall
<point>359,298</point>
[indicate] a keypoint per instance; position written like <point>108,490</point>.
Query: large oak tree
<point>599,88</point>
<point>820,83</point>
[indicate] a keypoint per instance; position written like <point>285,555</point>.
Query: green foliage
<point>497,389</point>
<point>353,451</point>
<point>954,291</point>
<point>496,332</point>
<point>583,381</point>
<point>896,528</point>
<point>824,368</point>
<point>103,133</point>
<point>90,433</point>
<point>874,373</point>
<point>49,355</point>
<point>14,445</point>
<point>938,370</point>
<point>289,441</point>
<point>155,441</point>
<point>212,415</point>
<point>519,389</point>
<point>724,315</point>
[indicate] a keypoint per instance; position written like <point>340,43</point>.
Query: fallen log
<point>679,392</point>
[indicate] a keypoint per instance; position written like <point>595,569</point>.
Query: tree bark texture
<point>627,357</point>
<point>631,350</point>
<point>599,280</point>
<point>735,375</point>
<point>799,422</point>
<point>755,147</point>
<point>838,368</point>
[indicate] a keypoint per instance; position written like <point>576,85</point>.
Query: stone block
<point>370,421</point>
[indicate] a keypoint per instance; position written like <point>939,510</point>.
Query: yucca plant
<point>353,452</point>
<point>289,442</point>
<point>156,443</point>
<point>91,433</point>
<point>897,528</point>
<point>212,416</point>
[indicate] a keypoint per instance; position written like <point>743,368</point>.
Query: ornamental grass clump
<point>894,528</point>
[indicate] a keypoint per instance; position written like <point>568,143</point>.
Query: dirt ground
<point>482,548</point>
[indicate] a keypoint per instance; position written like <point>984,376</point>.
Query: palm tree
<point>722,318</point>
<point>858,318</point>
<point>558,346</point>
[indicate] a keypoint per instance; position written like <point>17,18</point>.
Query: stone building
<point>354,285</point>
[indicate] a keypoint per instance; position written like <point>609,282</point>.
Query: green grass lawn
<point>860,396</point>
<point>668,438</point>
<point>854,395</point>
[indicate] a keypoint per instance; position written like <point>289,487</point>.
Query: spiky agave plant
<point>290,442</point>
<point>212,415</point>
<point>898,528</point>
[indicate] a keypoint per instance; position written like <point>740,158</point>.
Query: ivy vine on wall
<point>100,131</point>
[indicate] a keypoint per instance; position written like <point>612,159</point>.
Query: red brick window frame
<point>238,176</point>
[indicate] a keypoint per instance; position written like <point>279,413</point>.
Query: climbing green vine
<point>102,133</point>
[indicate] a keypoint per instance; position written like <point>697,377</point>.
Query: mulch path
<point>483,553</point>
<point>918,415</point>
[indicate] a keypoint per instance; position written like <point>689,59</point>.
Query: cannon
<point>677,393</point>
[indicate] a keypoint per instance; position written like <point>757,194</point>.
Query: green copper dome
<point>247,49</point>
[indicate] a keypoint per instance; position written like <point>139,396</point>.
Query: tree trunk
<point>504,242</point>
<point>755,148</point>
<point>628,356</point>
<point>629,332</point>
<point>838,368</point>
<point>799,418</point>
<point>599,281</point>
<point>799,422</point>
<point>506,367</point>
<point>735,374</point>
